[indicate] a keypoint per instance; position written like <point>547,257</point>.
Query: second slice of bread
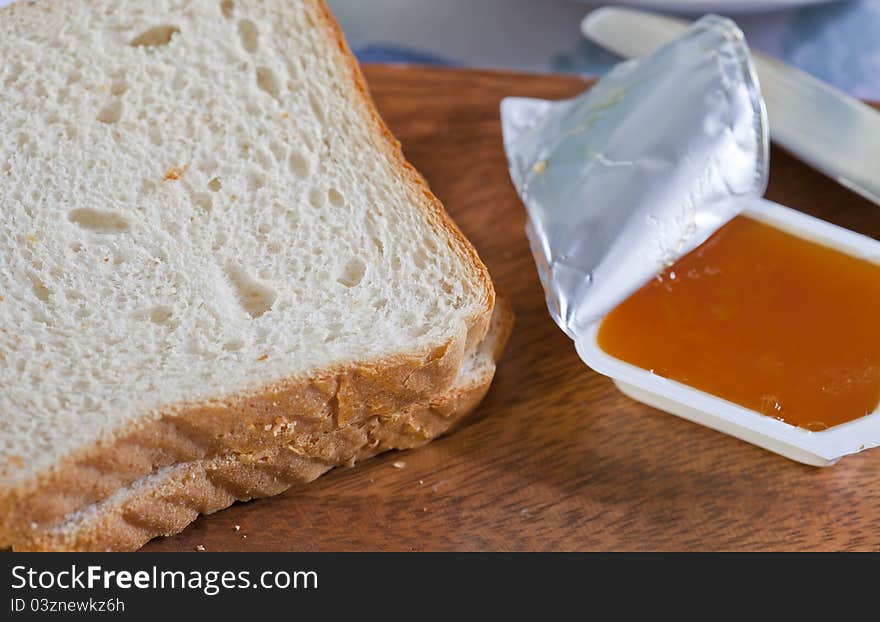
<point>164,502</point>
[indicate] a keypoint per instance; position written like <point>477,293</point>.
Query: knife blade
<point>829,130</point>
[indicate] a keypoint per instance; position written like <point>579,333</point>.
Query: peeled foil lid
<point>639,170</point>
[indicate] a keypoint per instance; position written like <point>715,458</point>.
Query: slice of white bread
<point>166,501</point>
<point>207,230</point>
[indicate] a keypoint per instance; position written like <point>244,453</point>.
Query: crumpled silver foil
<point>624,179</point>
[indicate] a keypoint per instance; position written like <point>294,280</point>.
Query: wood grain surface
<point>556,458</point>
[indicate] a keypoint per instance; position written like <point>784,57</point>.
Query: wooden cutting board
<point>558,458</point>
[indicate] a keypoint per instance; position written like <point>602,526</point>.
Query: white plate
<point>727,7</point>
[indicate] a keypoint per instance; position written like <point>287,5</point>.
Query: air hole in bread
<point>249,35</point>
<point>203,200</point>
<point>98,221</point>
<point>316,198</point>
<point>219,241</point>
<point>334,332</point>
<point>207,164</point>
<point>419,331</point>
<point>39,288</point>
<point>430,244</point>
<point>233,345</point>
<point>256,298</point>
<point>111,113</point>
<point>277,150</point>
<point>353,273</point>
<point>179,82</point>
<point>299,165</point>
<point>155,36</point>
<point>267,81</point>
<point>118,86</point>
<point>256,181</point>
<point>161,314</point>
<point>335,197</point>
<point>215,185</point>
<point>16,70</point>
<point>263,159</point>
<point>317,108</point>
<point>227,7</point>
<point>372,229</point>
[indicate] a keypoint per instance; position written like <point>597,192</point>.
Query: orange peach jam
<point>762,318</point>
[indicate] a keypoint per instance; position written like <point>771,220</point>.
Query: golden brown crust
<point>206,486</point>
<point>330,399</point>
<point>165,502</point>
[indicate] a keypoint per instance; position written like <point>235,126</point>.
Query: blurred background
<point>837,41</point>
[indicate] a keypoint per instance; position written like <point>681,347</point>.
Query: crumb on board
<point>398,464</point>
<point>421,482</point>
<point>200,547</point>
<point>237,527</point>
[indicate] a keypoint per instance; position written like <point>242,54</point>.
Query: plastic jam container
<point>767,334</point>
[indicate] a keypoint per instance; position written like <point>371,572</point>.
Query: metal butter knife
<point>829,130</point>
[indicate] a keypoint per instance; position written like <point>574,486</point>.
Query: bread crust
<point>165,502</point>
<point>330,399</point>
<point>178,496</point>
